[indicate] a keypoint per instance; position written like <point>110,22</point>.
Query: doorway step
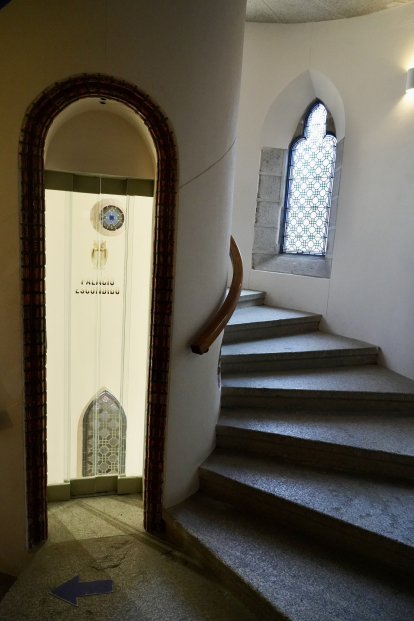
<point>106,484</point>
<point>306,506</point>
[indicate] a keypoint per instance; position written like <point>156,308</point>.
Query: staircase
<point>306,506</point>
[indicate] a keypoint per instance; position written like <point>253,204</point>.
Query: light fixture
<point>410,79</point>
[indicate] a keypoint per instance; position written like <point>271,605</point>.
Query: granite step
<point>299,351</point>
<point>249,297</point>
<point>283,575</point>
<point>266,321</point>
<point>352,442</point>
<point>359,388</point>
<point>365,514</point>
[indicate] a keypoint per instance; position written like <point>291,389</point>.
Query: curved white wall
<point>98,141</point>
<point>370,295</point>
<point>187,56</point>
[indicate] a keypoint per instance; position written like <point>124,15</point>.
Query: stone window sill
<point>299,264</point>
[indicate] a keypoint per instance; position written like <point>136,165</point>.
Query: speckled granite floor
<point>296,574</point>
<point>101,538</point>
<point>89,518</point>
<point>6,582</point>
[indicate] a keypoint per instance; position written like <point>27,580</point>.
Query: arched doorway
<point>39,118</point>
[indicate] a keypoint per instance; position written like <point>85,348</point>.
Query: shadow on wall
<point>287,109</point>
<point>5,420</point>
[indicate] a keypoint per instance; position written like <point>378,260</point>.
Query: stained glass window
<point>104,437</point>
<point>309,189</point>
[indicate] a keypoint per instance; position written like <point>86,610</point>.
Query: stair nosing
<point>308,355</point>
<point>315,394</point>
<point>273,322</point>
<point>334,447</point>
<point>252,295</point>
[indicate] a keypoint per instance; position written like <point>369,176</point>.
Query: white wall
<point>98,141</point>
<point>370,295</point>
<point>95,342</point>
<point>187,56</point>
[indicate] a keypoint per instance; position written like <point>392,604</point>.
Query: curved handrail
<point>208,336</point>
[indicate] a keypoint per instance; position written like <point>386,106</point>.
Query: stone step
<point>353,442</point>
<point>370,516</point>
<point>251,298</point>
<point>266,321</point>
<point>283,575</point>
<point>360,388</point>
<point>299,351</point>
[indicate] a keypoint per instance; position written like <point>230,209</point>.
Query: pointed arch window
<point>104,437</point>
<point>311,168</point>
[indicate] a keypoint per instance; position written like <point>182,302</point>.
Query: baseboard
<point>57,492</point>
<point>91,486</point>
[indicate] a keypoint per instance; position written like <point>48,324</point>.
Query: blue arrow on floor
<point>70,590</point>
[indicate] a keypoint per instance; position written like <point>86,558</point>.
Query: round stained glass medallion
<point>112,217</point>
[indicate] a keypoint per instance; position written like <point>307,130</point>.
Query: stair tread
<point>250,294</point>
<point>393,435</point>
<point>351,380</point>
<point>302,579</point>
<point>383,507</point>
<point>264,314</point>
<point>309,344</point>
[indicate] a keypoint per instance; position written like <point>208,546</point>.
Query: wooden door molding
<point>37,122</point>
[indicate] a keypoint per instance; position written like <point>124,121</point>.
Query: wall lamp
<point>410,79</point>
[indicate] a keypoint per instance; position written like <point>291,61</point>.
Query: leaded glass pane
<point>310,178</point>
<point>104,437</point>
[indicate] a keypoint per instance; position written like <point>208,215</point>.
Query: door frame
<point>38,119</point>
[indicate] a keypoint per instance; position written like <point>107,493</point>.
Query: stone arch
<point>38,119</point>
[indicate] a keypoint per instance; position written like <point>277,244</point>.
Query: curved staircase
<point>306,506</point>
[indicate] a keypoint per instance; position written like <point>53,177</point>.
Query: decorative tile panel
<point>104,437</point>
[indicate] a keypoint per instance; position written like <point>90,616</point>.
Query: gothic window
<point>104,437</point>
<point>310,176</point>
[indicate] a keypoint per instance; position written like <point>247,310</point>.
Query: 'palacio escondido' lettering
<point>94,286</point>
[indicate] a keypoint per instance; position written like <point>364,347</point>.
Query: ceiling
<point>299,11</point>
